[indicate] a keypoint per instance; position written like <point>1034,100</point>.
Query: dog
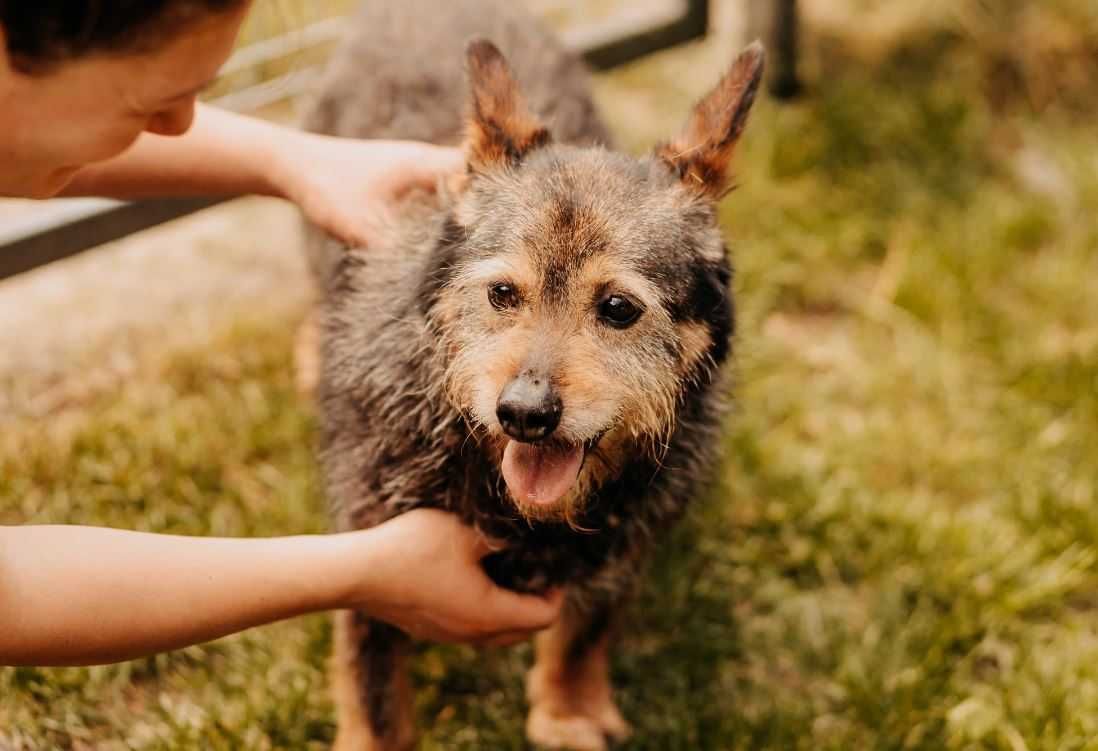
<point>542,348</point>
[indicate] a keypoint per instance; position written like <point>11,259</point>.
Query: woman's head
<point>46,33</point>
<point>79,82</point>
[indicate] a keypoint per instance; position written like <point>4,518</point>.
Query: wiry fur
<point>414,357</point>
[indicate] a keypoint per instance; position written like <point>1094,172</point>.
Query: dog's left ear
<point>501,130</point>
<point>700,155</point>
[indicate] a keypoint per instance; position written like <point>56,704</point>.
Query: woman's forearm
<point>223,154</point>
<point>137,593</point>
<point>342,185</point>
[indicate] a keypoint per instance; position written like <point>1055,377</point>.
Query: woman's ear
<point>5,63</point>
<point>8,70</point>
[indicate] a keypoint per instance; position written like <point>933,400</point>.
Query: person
<point>99,98</point>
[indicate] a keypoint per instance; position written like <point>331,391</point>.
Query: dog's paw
<point>609,719</point>
<point>578,709</point>
<point>366,743</point>
<point>572,732</point>
<point>359,738</point>
<point>307,356</point>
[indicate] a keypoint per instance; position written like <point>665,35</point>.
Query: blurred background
<point>902,548</point>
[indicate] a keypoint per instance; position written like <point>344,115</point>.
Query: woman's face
<point>94,108</point>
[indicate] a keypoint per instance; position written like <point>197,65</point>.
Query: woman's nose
<point>173,121</point>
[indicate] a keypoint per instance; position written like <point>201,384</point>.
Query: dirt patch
<point>82,325</point>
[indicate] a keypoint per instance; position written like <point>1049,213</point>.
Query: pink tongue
<point>535,474</point>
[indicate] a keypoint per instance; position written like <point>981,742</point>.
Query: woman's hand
<point>345,186</point>
<point>85,595</point>
<point>422,573</point>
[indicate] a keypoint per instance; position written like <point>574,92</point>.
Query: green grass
<point>903,549</point>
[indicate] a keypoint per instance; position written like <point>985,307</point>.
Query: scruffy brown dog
<point>539,349</point>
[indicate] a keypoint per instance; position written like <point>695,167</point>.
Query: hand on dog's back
<point>348,191</point>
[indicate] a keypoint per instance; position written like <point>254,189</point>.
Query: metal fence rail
<point>64,228</point>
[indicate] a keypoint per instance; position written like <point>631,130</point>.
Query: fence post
<point>775,22</point>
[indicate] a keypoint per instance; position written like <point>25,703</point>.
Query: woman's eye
<point>619,311</point>
<point>502,295</point>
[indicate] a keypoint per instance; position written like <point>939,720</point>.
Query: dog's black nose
<point>529,408</point>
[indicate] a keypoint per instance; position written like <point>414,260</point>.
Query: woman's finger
<point>430,163</point>
<point>507,639</point>
<point>523,612</point>
<point>484,544</point>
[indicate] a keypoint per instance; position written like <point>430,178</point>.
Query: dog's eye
<point>619,311</point>
<point>502,295</point>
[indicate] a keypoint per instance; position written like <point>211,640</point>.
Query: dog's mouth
<point>540,474</point>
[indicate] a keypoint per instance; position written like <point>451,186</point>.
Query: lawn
<point>901,551</point>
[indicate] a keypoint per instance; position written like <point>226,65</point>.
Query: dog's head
<point>580,294</point>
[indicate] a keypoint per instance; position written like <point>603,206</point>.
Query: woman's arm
<point>85,595</point>
<point>341,184</point>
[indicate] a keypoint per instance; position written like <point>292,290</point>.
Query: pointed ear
<point>501,130</point>
<point>701,153</point>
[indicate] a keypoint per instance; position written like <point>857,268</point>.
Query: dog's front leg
<point>372,694</point>
<point>571,698</point>
<point>307,354</point>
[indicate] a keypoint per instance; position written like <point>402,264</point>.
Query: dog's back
<point>399,75</point>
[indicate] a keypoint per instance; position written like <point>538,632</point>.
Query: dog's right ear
<point>700,155</point>
<point>501,130</point>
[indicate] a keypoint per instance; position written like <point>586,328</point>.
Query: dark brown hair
<point>44,33</point>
